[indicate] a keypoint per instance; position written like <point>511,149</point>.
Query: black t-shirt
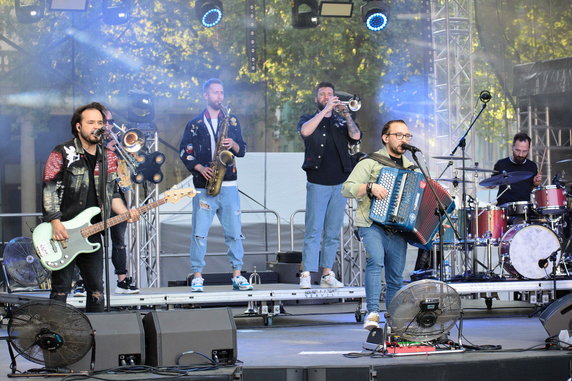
<point>397,160</point>
<point>331,167</point>
<point>91,192</point>
<point>521,190</point>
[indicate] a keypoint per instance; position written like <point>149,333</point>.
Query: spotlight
<point>305,13</point>
<point>116,12</point>
<point>209,12</point>
<point>29,12</point>
<point>141,107</point>
<point>68,5</point>
<point>150,168</point>
<point>375,15</point>
<point>336,8</point>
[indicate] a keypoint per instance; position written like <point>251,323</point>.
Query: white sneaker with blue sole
<point>197,285</point>
<point>240,283</point>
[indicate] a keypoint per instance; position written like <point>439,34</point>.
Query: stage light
<point>68,5</point>
<point>209,12</point>
<point>375,15</point>
<point>305,13</point>
<point>336,9</point>
<point>116,12</point>
<point>149,168</point>
<point>29,12</point>
<point>141,107</point>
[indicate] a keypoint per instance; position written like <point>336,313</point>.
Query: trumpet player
<point>202,140</point>
<point>327,163</point>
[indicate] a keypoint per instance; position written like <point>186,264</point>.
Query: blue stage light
<point>375,15</point>
<point>209,12</point>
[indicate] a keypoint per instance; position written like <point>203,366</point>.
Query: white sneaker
<point>197,285</point>
<point>371,321</point>
<point>240,283</point>
<point>330,281</point>
<point>305,279</point>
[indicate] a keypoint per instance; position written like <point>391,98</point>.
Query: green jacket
<point>366,171</point>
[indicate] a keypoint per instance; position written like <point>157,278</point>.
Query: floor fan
<point>419,320</point>
<point>22,268</point>
<point>49,333</point>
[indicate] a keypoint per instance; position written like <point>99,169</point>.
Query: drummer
<point>519,191</point>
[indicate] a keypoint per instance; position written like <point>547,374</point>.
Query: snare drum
<point>491,223</point>
<point>523,246</point>
<point>518,209</point>
<point>550,199</point>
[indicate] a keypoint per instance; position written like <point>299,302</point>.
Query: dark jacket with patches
<point>66,181</point>
<point>195,147</point>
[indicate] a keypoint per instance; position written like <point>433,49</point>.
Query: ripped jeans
<point>226,206</point>
<point>91,269</point>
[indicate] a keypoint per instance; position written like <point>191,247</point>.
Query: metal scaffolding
<point>452,38</point>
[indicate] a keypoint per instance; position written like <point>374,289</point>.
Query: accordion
<point>410,205</point>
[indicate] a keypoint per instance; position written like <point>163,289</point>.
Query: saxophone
<point>222,158</point>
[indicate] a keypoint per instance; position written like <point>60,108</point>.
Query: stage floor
<point>309,343</point>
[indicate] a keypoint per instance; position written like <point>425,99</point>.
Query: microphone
<point>485,96</point>
<point>543,263</point>
<point>409,147</point>
<point>99,132</point>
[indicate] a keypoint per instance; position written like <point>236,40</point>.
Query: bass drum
<point>523,246</point>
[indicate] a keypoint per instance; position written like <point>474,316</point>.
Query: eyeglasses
<point>110,121</point>
<point>401,136</point>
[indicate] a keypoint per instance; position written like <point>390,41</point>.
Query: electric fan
<point>22,265</point>
<point>50,333</point>
<point>424,310</point>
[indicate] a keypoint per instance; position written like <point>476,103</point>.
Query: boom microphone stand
<point>484,97</point>
<point>440,211</point>
<point>105,212</point>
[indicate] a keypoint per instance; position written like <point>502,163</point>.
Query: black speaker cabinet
<point>558,315</point>
<point>178,334</point>
<point>119,340</point>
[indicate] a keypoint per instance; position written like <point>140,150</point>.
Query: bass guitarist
<point>72,182</point>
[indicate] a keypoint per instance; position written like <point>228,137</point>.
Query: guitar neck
<point>100,226</point>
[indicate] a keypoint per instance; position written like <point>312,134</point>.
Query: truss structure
<point>144,236</point>
<point>351,254</point>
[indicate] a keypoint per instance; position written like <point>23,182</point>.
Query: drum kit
<point>532,237</point>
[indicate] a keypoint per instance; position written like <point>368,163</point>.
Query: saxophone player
<point>198,150</point>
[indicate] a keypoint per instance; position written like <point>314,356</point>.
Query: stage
<point>310,341</point>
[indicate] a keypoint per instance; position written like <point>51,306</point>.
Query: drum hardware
<point>475,169</point>
<point>506,178</point>
<point>455,180</point>
<point>451,158</point>
<point>563,161</point>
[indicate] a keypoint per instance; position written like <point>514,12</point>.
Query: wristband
<point>368,190</point>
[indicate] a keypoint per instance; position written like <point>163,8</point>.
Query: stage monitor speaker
<point>119,340</point>
<point>558,315</point>
<point>174,337</point>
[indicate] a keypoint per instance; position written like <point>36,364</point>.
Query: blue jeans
<point>226,206</point>
<point>325,208</point>
<point>383,249</point>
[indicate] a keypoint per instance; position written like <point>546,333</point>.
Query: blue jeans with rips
<point>226,206</point>
<point>383,249</point>
<point>325,209</point>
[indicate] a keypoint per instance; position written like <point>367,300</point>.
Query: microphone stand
<point>462,143</point>
<point>552,258</point>
<point>440,211</point>
<point>105,212</point>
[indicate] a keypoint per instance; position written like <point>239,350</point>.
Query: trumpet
<point>353,104</point>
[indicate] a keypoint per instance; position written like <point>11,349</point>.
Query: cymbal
<point>475,169</point>
<point>506,178</point>
<point>563,161</point>
<point>450,158</point>
<point>452,180</point>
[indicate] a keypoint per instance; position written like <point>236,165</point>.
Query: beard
<point>518,160</point>
<point>90,138</point>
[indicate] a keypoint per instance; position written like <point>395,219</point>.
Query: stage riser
<point>533,368</point>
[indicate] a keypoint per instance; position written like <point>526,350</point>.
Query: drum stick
<point>542,161</point>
